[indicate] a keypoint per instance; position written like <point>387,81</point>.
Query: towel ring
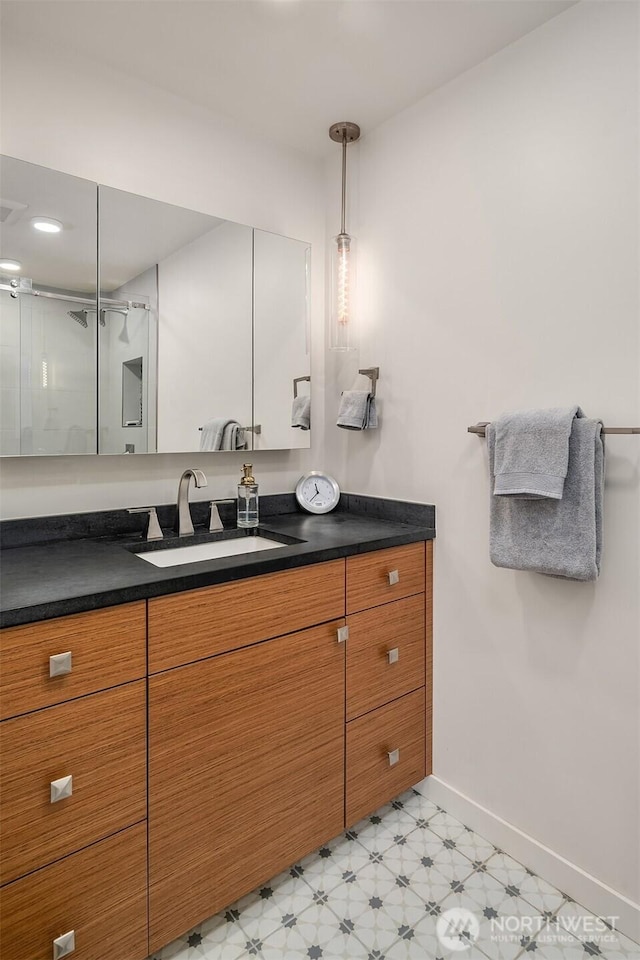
<point>296,381</point>
<point>374,375</point>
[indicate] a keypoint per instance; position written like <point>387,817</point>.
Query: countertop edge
<point>253,566</point>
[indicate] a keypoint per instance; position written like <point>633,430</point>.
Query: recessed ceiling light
<point>14,265</point>
<point>46,224</point>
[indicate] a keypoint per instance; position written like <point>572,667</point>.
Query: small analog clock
<point>317,492</point>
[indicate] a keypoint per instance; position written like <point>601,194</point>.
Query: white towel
<point>531,455</point>
<point>562,538</point>
<point>301,412</point>
<point>357,411</point>
<point>222,434</point>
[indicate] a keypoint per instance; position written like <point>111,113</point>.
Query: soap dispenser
<point>247,499</point>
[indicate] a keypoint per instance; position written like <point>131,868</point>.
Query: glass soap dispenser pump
<point>247,499</point>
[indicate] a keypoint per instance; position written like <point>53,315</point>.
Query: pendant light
<point>343,255</point>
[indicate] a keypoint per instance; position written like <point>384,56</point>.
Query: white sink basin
<point>208,551</point>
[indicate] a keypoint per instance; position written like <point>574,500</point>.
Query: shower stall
<point>75,372</point>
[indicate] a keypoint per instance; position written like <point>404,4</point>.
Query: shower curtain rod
<point>132,304</point>
<point>480,429</point>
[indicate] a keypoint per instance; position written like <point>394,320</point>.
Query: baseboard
<point>586,890</point>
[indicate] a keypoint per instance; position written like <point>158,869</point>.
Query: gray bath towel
<point>532,452</point>
<point>562,538</point>
<point>222,434</point>
<point>301,412</point>
<point>357,411</point>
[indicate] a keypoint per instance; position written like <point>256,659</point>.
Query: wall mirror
<point>48,333</point>
<point>198,339</point>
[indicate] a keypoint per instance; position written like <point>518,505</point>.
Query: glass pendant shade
<point>343,256</point>
<point>343,265</point>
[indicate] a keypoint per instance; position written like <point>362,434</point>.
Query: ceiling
<point>286,69</point>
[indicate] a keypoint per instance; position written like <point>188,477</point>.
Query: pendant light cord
<point>344,180</point>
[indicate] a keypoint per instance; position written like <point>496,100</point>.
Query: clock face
<point>317,493</point>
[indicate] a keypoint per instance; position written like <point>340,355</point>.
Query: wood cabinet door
<point>246,771</point>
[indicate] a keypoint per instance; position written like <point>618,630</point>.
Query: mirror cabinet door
<point>48,311</point>
<point>197,340</point>
<point>178,284</point>
<point>281,332</point>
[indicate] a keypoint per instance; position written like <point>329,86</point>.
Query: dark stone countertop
<point>40,580</point>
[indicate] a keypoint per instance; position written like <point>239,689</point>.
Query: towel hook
<point>374,375</point>
<point>296,381</point>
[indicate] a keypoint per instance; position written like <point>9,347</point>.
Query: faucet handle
<point>215,523</point>
<point>153,531</point>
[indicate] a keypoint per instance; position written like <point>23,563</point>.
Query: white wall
<point>497,222</point>
<point>84,119</point>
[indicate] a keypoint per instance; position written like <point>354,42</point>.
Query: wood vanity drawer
<point>107,647</point>
<point>99,893</point>
<point>375,578</point>
<point>100,742</point>
<point>385,654</point>
<point>200,623</point>
<point>373,777</point>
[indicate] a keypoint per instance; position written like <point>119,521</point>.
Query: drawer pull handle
<point>61,789</point>
<point>64,945</point>
<point>60,664</point>
<point>343,634</point>
<point>394,577</point>
<point>394,756</point>
<point>393,655</point>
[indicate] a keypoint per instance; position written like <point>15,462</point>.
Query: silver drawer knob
<point>394,577</point>
<point>64,945</point>
<point>343,634</point>
<point>61,789</point>
<point>393,655</point>
<point>394,756</point>
<point>59,664</point>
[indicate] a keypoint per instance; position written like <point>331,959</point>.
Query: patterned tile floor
<point>382,891</point>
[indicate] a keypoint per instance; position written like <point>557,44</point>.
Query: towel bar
<point>374,375</point>
<point>480,429</point>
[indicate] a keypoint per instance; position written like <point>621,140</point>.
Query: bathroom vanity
<point>164,756</point>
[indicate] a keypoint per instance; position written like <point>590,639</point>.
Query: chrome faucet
<point>183,525</point>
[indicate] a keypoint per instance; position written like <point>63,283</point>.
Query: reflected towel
<point>531,455</point>
<point>76,440</point>
<point>222,434</point>
<point>561,538</point>
<point>301,412</point>
<point>357,411</point>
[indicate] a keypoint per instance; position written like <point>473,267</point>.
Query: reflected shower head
<point>80,316</point>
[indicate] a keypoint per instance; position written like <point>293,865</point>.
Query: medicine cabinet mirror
<point>200,328</point>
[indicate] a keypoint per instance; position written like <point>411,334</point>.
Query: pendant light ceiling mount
<point>344,131</point>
